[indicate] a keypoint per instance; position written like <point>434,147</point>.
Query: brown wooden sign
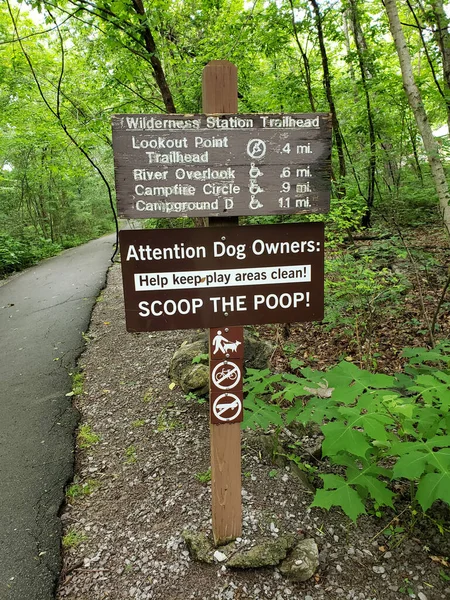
<point>221,165</point>
<point>189,278</point>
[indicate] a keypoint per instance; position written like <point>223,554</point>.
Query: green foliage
<point>73,538</point>
<point>77,383</point>
<point>130,454</point>
<point>376,427</point>
<point>200,358</point>
<point>80,490</point>
<point>204,477</point>
<point>19,253</point>
<point>87,437</point>
<point>357,288</point>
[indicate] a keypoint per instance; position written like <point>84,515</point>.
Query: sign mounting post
<point>219,95</point>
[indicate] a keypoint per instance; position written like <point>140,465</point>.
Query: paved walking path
<point>43,312</point>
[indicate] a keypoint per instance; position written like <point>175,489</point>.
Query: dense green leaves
<point>373,428</point>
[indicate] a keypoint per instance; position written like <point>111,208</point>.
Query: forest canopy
<point>67,65</point>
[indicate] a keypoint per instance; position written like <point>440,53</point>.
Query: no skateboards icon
<point>227,407</point>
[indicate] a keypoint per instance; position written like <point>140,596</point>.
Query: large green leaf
<point>338,492</point>
<point>258,413</point>
<point>343,438</point>
<point>433,486</point>
<point>410,465</point>
<point>376,488</point>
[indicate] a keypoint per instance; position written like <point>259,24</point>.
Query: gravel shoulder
<point>137,487</point>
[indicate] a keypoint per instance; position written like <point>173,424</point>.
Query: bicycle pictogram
<point>226,375</point>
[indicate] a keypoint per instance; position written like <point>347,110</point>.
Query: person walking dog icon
<point>222,344</point>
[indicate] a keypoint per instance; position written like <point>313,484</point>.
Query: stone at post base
<point>265,554</point>
<point>199,545</point>
<point>303,561</point>
<point>194,377</point>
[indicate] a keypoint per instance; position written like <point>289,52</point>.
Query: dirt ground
<point>142,478</point>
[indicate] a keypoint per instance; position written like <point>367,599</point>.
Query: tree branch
<point>63,126</point>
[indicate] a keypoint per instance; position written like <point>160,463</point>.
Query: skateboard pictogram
<point>227,407</point>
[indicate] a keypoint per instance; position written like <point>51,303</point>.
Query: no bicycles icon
<point>226,375</point>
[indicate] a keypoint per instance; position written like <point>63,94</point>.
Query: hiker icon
<point>222,344</point>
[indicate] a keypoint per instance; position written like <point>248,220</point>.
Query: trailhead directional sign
<point>227,165</point>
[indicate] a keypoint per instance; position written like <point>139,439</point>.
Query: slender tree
<point>420,114</point>
<point>364,68</point>
<point>330,99</point>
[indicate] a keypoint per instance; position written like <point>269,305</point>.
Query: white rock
<point>421,596</point>
<point>219,556</point>
<point>378,569</point>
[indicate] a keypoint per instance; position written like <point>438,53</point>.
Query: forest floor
<point>143,458</point>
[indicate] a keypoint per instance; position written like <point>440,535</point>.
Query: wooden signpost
<point>222,165</point>
<point>219,93</point>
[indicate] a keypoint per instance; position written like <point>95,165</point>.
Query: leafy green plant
<point>77,383</point>
<point>86,436</point>
<point>79,490</point>
<point>138,423</point>
<point>204,477</point>
<point>376,427</point>
<point>356,288</point>
<point>73,538</point>
<point>130,454</point>
<point>200,358</point>
<point>193,396</point>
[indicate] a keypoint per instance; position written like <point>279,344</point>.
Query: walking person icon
<point>218,342</point>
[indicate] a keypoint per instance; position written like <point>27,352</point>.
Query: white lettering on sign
<point>175,157</point>
<point>288,122</point>
<point>158,143</point>
<point>230,304</point>
<point>158,308</point>
<point>273,301</point>
<point>142,123</point>
<point>146,175</point>
<point>260,247</point>
<point>178,189</point>
<point>228,123</point>
<point>214,142</point>
<point>206,174</point>
<point>247,164</point>
<point>175,207</point>
<point>220,277</point>
<point>175,252</point>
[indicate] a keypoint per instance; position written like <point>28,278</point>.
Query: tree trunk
<point>327,85</point>
<point>442,37</point>
<point>304,59</point>
<point>415,101</point>
<point>150,46</point>
<point>361,49</point>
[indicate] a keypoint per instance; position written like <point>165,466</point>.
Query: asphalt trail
<point>43,312</point>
